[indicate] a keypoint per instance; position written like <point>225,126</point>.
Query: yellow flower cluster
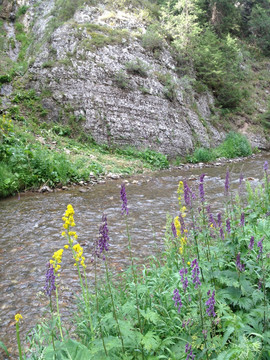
<point>57,256</point>
<point>5,125</point>
<point>68,218</point>
<point>18,317</point>
<point>79,252</point>
<point>180,191</point>
<point>69,221</point>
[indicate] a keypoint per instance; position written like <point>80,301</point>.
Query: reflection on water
<point>31,231</point>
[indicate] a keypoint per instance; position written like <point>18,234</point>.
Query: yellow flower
<point>63,233</point>
<point>177,225</point>
<point>66,246</point>
<point>18,317</point>
<point>188,263</point>
<point>181,250</point>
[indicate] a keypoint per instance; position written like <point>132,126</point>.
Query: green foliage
<point>235,145</point>
<point>22,10</point>
<point>25,164</point>
<point>100,36</point>
<point>5,79</point>
<point>152,40</point>
<point>259,27</point>
<point>153,158</point>
<point>137,67</point>
<point>201,155</point>
<point>221,311</point>
<point>217,63</point>
<point>121,79</point>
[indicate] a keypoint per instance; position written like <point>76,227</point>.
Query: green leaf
<point>150,315</point>
<point>3,346</point>
<point>150,341</point>
<point>227,334</point>
<point>69,349</point>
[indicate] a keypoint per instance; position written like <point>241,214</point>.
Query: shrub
<point>152,40</point>
<point>137,67</point>
<point>201,154</point>
<point>235,145</point>
<point>121,80</point>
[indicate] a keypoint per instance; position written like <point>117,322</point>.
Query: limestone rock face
<point>95,68</point>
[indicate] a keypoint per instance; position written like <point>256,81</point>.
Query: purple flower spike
<point>242,221</point>
<point>260,246</point>
<point>187,193</point>
<point>265,166</point>
<point>240,266</point>
<point>195,273</point>
<point>103,240</point>
<point>251,243</point>
<point>227,182</point>
<point>50,280</point>
<point>201,189</point>
<point>174,230</point>
<point>184,279</point>
<point>182,223</point>
<point>221,233</point>
<point>219,220</point>
<point>124,199</point>
<point>188,351</point>
<point>211,304</point>
<point>177,299</point>
<point>228,226</point>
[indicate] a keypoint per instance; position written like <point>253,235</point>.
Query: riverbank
<point>39,158</point>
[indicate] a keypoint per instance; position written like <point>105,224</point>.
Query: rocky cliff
<point>102,66</point>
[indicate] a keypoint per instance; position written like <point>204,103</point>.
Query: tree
<point>181,20</point>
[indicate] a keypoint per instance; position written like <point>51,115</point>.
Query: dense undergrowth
<point>27,163</point>
<point>205,297</point>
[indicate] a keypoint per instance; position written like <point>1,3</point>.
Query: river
<point>31,226</point>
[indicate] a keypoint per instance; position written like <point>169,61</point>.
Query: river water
<point>31,226</point>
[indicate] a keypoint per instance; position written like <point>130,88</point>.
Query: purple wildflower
<point>187,323</point>
<point>221,233</point>
<point>240,266</point>
<point>177,299</point>
<point>228,226</point>
<point>260,246</point>
<point>242,221</point>
<point>201,189</point>
<point>124,199</point>
<point>219,220</point>
<point>251,243</point>
<point>187,193</point>
<point>211,220</point>
<point>174,230</point>
<point>50,280</point>
<point>184,279</point>
<point>182,223</point>
<point>227,182</point>
<point>211,304</point>
<point>265,166</point>
<point>188,351</point>
<point>195,273</point>
<point>103,240</point>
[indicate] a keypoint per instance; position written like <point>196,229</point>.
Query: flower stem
<point>18,340</point>
<point>113,305</point>
<point>58,313</point>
